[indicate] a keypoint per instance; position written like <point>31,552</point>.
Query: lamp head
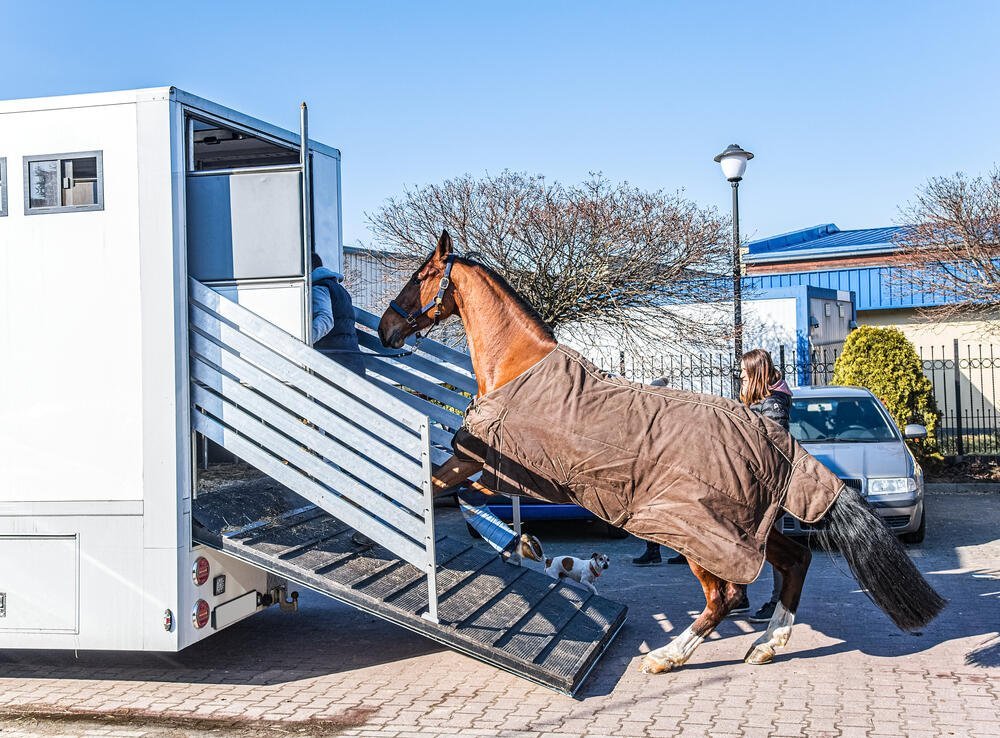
<point>734,162</point>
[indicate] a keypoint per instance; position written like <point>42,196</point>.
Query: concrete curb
<point>969,488</point>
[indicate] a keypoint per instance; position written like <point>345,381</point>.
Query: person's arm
<point>322,320</point>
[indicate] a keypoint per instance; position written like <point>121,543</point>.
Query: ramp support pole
<point>430,562</point>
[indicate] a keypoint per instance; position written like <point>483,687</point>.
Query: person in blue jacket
<point>333,330</point>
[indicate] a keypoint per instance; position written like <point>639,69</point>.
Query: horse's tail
<point>879,562</point>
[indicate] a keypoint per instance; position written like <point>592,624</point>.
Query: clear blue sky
<point>849,106</point>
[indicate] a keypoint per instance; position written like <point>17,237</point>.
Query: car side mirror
<point>914,431</point>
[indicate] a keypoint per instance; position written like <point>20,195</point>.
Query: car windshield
<point>838,420</point>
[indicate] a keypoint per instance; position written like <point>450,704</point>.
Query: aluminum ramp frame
<point>507,616</point>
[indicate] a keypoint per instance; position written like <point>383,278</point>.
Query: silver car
<point>852,433</point>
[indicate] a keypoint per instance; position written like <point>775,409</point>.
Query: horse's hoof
<point>759,655</point>
<point>653,665</point>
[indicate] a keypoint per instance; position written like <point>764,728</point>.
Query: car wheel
<point>917,536</point>
<point>614,532</point>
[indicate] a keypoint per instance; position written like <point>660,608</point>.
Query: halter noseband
<point>411,318</point>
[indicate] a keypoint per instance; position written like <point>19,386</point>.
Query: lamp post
<point>734,163</point>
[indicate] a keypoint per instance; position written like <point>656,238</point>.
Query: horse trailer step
<point>513,618</point>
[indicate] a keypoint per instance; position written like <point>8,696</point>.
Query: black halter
<point>411,318</point>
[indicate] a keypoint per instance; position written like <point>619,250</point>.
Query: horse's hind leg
<point>720,597</point>
<point>792,560</point>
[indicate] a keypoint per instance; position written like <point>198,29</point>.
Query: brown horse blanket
<point>701,474</point>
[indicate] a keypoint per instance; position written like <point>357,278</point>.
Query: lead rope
<point>401,355</point>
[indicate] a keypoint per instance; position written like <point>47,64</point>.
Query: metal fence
<point>965,383</point>
<point>716,374</point>
<point>963,377</point>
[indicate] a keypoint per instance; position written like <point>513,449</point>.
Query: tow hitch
<point>277,594</point>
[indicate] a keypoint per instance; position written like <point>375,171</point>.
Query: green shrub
<point>884,361</point>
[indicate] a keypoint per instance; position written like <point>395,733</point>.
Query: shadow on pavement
<point>957,559</point>
<point>987,655</point>
<point>272,647</point>
<point>328,638</point>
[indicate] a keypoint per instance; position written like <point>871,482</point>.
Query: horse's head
<point>425,300</point>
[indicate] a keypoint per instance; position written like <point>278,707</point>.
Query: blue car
<point>534,510</point>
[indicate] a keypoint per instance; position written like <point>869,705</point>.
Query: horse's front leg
<point>792,560</point>
<point>454,472</point>
<point>720,597</point>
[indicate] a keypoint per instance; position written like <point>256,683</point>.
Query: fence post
<point>959,442</point>
<point>781,360</point>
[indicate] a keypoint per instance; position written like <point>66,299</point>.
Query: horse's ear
<point>443,250</point>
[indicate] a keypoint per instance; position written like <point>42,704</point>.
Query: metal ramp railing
<point>431,380</point>
<point>361,450</point>
<point>435,380</point>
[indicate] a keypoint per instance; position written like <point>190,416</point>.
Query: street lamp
<point>734,163</point>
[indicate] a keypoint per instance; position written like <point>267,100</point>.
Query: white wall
<point>923,331</point>
<point>70,391</point>
<point>769,324</point>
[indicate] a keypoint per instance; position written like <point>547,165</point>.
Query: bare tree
<point>951,245</point>
<point>595,259</point>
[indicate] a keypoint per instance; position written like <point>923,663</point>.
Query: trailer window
<point>3,186</point>
<point>216,147</point>
<point>63,183</point>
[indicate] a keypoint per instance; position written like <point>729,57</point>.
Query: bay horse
<point>506,339</point>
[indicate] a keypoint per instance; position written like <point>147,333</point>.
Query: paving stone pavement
<point>846,672</point>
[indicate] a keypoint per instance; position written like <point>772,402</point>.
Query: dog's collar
<point>596,572</point>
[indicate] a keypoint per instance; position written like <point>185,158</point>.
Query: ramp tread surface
<point>512,617</point>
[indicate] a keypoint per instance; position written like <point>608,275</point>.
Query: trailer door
<point>245,221</point>
<point>325,176</point>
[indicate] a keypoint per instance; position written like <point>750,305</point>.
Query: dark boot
<point>677,559</point>
<point>651,557</point>
<point>764,614</point>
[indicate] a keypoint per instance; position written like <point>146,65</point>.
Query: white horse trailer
<point>111,200</point>
<point>154,257</point>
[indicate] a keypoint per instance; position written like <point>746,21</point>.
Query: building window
<point>63,183</point>
<point>3,187</point>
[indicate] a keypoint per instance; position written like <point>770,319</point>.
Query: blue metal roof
<point>875,288</point>
<point>822,240</point>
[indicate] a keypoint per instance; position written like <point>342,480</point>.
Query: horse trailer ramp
<point>511,617</point>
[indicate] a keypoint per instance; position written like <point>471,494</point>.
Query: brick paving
<point>846,672</point>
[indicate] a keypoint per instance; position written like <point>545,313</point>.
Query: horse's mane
<point>526,306</point>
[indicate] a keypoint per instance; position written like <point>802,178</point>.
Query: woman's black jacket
<point>774,406</point>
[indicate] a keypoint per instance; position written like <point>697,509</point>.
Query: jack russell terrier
<point>584,571</point>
